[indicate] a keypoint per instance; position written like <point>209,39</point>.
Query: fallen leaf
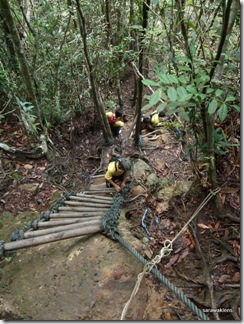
<point>236,278</point>
<point>203,226</point>
<point>172,261</point>
<point>224,278</point>
<point>28,166</point>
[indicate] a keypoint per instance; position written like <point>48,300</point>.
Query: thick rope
<point>165,251</point>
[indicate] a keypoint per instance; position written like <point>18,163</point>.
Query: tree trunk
<point>7,16</point>
<point>99,106</point>
<point>145,9</point>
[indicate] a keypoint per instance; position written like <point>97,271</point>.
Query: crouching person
<point>117,173</point>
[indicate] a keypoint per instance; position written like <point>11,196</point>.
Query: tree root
<point>37,153</point>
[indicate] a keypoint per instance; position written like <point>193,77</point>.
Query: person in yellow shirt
<point>152,121</point>
<point>117,172</point>
<point>115,121</point>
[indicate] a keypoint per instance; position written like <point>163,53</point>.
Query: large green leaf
<point>173,78</point>
<point>149,82</point>
<point>163,78</point>
<point>182,80</point>
<point>223,110</point>
<point>212,107</point>
<point>218,92</point>
<point>183,114</point>
<point>186,97</point>
<point>172,94</point>
<point>155,97</point>
<point>181,91</point>
<point>230,98</point>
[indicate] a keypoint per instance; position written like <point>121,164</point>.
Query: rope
<point>166,250</point>
<point>163,279</point>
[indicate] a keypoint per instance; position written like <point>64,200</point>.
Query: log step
<point>70,214</point>
<point>101,200</point>
<point>66,221</point>
<point>82,209</point>
<point>52,237</point>
<point>86,204</point>
<point>60,228</point>
<point>86,195</point>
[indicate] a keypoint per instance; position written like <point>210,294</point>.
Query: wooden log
<point>98,176</point>
<point>64,221</point>
<point>52,237</point>
<point>82,209</point>
<point>88,198</point>
<point>103,190</point>
<point>60,228</point>
<point>86,204</point>
<point>84,195</point>
<point>70,214</point>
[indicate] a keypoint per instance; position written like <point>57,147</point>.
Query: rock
<point>141,170</point>
<point>29,187</point>
<point>137,190</point>
<point>152,181</point>
<point>178,189</point>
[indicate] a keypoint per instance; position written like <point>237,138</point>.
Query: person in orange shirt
<point>115,121</point>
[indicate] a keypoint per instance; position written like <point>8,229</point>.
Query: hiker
<point>117,172</point>
<point>115,121</point>
<point>152,121</point>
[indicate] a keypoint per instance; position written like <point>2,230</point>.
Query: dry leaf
<point>203,226</point>
<point>28,166</point>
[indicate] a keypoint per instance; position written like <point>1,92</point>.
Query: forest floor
<point>208,273</point>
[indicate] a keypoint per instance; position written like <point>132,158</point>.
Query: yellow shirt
<point>112,171</point>
<point>155,120</point>
<point>117,123</point>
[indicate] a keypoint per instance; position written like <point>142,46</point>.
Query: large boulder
<point>144,176</point>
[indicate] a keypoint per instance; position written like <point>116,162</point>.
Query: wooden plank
<point>60,228</point>
<point>86,204</point>
<point>71,214</point>
<point>82,209</point>
<point>97,199</point>
<point>65,221</point>
<point>52,237</point>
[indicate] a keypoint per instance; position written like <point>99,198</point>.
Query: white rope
<point>165,251</point>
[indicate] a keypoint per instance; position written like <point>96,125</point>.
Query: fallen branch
<point>37,153</point>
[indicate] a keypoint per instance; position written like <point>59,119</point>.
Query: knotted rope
<point>165,251</point>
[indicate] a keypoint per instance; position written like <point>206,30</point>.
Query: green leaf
<point>173,78</point>
<point>191,88</point>
<point>218,92</point>
<point>212,107</point>
<point>150,82</point>
<point>146,107</point>
<point>163,78</point>
<point>155,97</point>
<point>182,80</point>
<point>190,24</point>
<point>183,114</point>
<point>172,94</point>
<point>230,98</point>
<point>186,97</point>
<point>210,90</point>
<point>236,107</point>
<point>181,91</point>
<point>161,106</point>
<point>222,112</point>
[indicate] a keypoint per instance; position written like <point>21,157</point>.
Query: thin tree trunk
<point>6,10</point>
<point>145,9</point>
<point>107,134</point>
